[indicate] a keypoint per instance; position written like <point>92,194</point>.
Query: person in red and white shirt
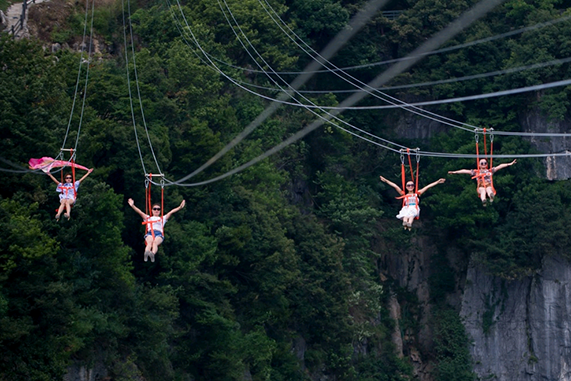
<point>483,176</point>
<point>155,227</point>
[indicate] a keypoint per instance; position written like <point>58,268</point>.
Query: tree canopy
<point>273,273</point>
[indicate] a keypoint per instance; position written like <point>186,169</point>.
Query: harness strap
<point>149,206</point>
<point>492,158</point>
<point>66,190</point>
<point>416,201</point>
<point>405,195</point>
<point>72,160</point>
<point>403,171</point>
<point>150,229</point>
<point>479,176</point>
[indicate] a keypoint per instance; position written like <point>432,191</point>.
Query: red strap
<point>478,175</point>
<point>152,231</point>
<point>417,167</point>
<point>403,174</point>
<point>73,173</point>
<point>410,165</point>
<point>477,152</point>
<point>149,206</point>
<point>492,159</point>
<point>485,145</point>
<point>66,190</point>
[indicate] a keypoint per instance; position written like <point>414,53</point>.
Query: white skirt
<point>408,211</point>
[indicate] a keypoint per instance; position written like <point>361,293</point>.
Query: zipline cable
<point>356,23</point>
<point>74,152</point>
<point>81,61</point>
<point>481,96</point>
<point>479,10</point>
<point>404,105</point>
<point>357,83</point>
<point>391,61</point>
<point>139,90</point>
<point>285,82</point>
<point>431,83</point>
<point>129,88</point>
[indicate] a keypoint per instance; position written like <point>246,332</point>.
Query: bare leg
<point>409,221</point>
<point>60,210</point>
<point>490,193</point>
<point>148,246</point>
<point>67,208</point>
<point>156,244</point>
<point>482,194</point>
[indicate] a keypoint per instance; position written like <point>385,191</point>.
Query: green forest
<point>276,272</point>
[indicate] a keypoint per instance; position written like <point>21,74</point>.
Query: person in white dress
<point>410,209</point>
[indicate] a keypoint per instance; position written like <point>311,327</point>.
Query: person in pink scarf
<point>67,193</point>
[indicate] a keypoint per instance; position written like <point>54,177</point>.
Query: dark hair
<point>152,206</point>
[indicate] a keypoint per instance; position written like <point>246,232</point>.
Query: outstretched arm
<point>461,172</point>
<point>397,188</point>
<point>169,214</point>
<point>139,211</point>
<point>87,174</point>
<point>53,178</point>
<point>439,181</point>
<point>502,166</point>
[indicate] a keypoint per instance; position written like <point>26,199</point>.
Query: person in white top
<point>410,209</point>
<point>155,227</point>
<point>67,193</point>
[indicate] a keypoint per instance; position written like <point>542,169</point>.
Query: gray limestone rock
<point>556,167</point>
<point>521,329</point>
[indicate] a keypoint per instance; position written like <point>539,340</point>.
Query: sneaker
<point>67,216</point>
<point>57,217</point>
<point>491,199</point>
<point>484,203</point>
<point>147,255</point>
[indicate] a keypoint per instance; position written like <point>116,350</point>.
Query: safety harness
<point>149,205</point>
<point>410,199</point>
<point>65,190</point>
<point>480,175</point>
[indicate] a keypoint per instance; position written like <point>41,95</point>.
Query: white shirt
<point>66,190</point>
<point>156,223</point>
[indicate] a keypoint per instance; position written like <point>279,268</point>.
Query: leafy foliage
<point>272,274</point>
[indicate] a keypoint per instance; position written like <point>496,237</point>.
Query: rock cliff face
<point>411,270</point>
<point>521,330</point>
<point>556,168</point>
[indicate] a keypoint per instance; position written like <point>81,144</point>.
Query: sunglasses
<point>68,178</point>
<point>409,185</point>
<point>156,208</point>
<point>483,163</point>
